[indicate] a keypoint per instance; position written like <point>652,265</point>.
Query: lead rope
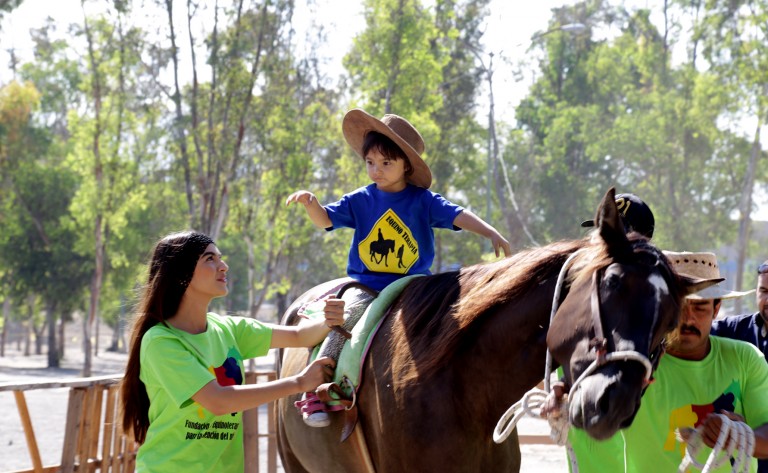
<point>536,398</point>
<point>742,442</point>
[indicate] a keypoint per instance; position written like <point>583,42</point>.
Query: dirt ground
<point>48,407</point>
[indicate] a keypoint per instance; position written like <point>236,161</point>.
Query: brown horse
<point>459,347</point>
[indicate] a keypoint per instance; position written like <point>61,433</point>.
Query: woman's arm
<point>220,400</point>
<point>309,332</point>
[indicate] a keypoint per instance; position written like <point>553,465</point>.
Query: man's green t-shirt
<point>182,435</point>
<point>732,377</point>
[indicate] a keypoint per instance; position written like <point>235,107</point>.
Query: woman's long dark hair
<point>170,271</point>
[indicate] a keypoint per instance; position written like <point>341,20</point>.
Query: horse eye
<point>612,281</point>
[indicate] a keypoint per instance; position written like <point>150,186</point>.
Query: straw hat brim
<point>717,292</point>
<point>358,123</point>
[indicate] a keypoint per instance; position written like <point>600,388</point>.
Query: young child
<point>394,216</point>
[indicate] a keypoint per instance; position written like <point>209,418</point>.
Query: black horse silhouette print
<point>380,249</point>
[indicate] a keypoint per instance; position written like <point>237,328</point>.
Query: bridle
<point>604,354</point>
<point>537,398</point>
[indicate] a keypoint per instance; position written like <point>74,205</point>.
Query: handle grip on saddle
<point>341,330</point>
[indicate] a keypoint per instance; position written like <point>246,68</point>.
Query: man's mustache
<point>689,328</point>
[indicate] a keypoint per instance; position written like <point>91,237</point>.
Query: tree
<point>101,156</point>
<point>585,114</point>
<point>35,247</point>
<point>734,36</point>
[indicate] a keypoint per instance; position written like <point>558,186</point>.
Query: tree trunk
<point>29,325</point>
<point>53,347</point>
<point>281,304</point>
<point>745,213</point>
<point>6,322</point>
<point>251,276</point>
<point>62,338</point>
<point>98,228</point>
<point>39,338</point>
<point>178,128</point>
<point>27,337</point>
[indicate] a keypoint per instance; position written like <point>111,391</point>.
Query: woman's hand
<point>318,372</point>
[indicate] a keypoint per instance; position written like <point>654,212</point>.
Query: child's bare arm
<point>315,211</point>
<point>469,221</point>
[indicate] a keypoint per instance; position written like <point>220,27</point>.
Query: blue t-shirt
<point>749,328</point>
<point>393,231</point>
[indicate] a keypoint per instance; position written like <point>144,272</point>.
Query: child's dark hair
<point>384,145</point>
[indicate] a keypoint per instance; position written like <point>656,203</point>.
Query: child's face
<point>387,173</point>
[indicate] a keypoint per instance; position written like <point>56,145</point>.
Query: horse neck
<point>506,355</point>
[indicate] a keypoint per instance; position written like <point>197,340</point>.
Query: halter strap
<point>599,343</point>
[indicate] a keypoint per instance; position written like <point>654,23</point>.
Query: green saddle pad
<point>350,359</point>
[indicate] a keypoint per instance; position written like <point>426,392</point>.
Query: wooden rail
<point>93,421</point>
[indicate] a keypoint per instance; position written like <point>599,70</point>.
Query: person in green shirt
<point>183,394</point>
<point>700,375</point>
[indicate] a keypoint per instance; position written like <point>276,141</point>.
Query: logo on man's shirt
<point>693,415</point>
<point>389,247</point>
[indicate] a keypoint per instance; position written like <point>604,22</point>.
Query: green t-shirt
<point>733,377</point>
<point>182,435</point>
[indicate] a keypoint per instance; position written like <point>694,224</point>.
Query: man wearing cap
<point>635,215</point>
<point>700,375</point>
<point>750,328</point>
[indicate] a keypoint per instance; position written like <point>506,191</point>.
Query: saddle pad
<point>351,357</point>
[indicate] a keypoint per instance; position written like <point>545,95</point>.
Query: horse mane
<point>436,311</point>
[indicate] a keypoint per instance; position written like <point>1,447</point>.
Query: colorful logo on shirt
<point>228,374</point>
<point>693,415</point>
<point>389,247</point>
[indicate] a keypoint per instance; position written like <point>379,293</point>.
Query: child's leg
<point>312,409</point>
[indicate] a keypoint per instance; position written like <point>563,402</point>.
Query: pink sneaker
<point>312,410</point>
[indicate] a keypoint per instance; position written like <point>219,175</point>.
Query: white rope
<point>536,398</point>
<point>742,443</point>
<point>555,306</point>
<point>533,399</point>
<point>559,430</point>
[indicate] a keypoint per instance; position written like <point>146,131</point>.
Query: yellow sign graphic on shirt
<point>389,247</point>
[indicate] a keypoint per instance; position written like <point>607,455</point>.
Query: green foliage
<point>605,109</point>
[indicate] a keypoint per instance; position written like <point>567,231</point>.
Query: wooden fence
<point>94,439</point>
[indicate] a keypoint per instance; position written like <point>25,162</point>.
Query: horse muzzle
<point>607,400</point>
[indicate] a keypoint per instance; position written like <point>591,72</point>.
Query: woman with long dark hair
<point>183,392</point>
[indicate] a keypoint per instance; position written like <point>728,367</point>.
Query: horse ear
<point>610,226</point>
<point>691,285</point>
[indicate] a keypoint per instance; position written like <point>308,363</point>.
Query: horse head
<point>608,332</point>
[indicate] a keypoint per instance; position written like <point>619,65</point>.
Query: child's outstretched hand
<point>303,197</point>
<point>500,243</point>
